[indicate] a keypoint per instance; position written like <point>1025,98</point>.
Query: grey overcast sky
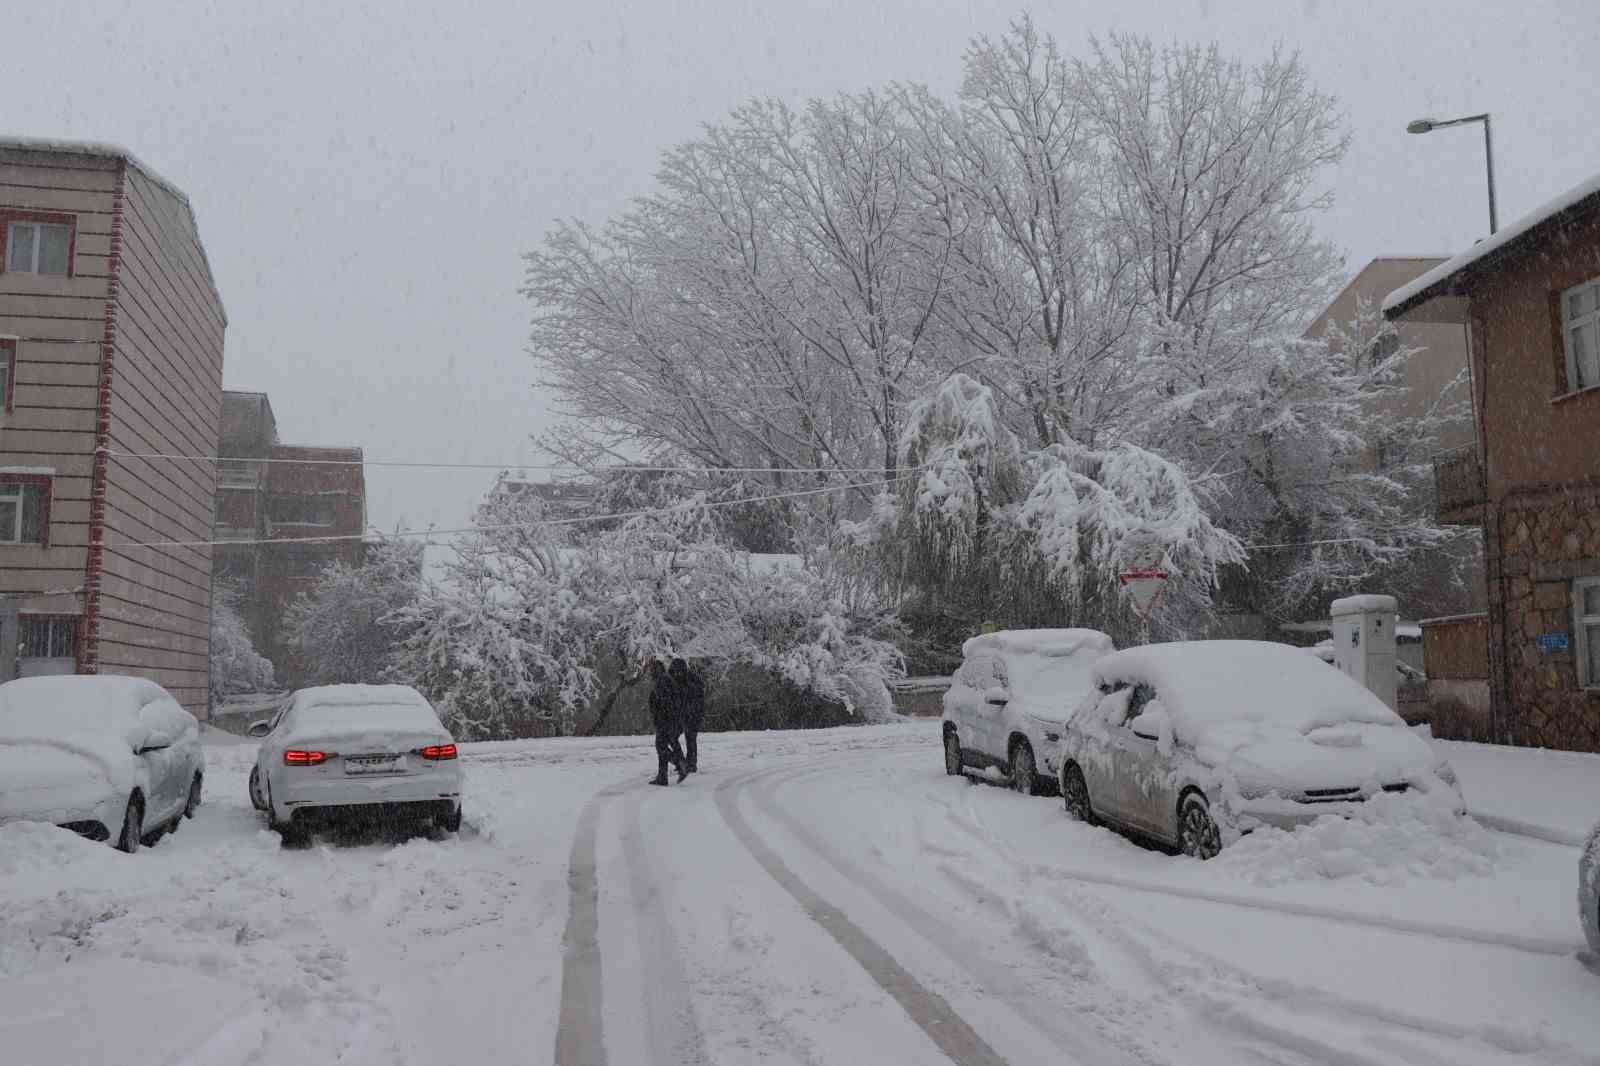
<point>366,175</point>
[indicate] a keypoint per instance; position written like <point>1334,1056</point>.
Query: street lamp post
<point>1428,125</point>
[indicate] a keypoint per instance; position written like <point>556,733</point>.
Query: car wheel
<point>1075,793</point>
<point>1198,835</point>
<point>132,826</point>
<point>255,789</point>
<point>952,755</point>
<point>1024,777</point>
<point>193,802</point>
<point>451,823</point>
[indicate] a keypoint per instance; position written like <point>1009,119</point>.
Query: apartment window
<point>39,248</point>
<point>1580,331</point>
<point>1586,608</point>
<point>24,509</point>
<point>49,638</point>
<point>302,511</point>
<point>8,372</point>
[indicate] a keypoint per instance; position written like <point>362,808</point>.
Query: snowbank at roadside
<point>1388,839</point>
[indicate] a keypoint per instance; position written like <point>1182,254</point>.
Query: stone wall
<point>1544,540</point>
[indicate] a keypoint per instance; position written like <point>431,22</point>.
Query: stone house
<point>1529,297</point>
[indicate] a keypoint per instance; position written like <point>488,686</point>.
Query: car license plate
<point>372,764</point>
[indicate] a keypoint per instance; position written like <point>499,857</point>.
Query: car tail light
<point>438,751</point>
<point>295,757</point>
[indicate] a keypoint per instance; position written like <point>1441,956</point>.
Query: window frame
<point>38,218</point>
<point>302,505</point>
<point>8,363</point>
<point>1580,631</point>
<point>52,620</point>
<point>1590,318</point>
<point>44,482</point>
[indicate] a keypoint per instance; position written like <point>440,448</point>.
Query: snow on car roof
<point>331,711</point>
<point>1052,642</point>
<point>1209,683</point>
<point>77,704</point>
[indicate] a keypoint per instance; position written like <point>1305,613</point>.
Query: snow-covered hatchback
<point>1195,742</point>
<point>376,751</point>
<point>1008,704</point>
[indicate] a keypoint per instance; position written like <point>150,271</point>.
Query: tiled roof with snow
<point>1414,292</point>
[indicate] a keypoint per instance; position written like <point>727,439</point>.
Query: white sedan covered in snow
<point>109,757</point>
<point>1008,704</point>
<point>370,751</point>
<point>1192,743</point>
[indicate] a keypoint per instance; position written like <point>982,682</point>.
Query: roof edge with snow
<point>1436,281</point>
<point>108,150</point>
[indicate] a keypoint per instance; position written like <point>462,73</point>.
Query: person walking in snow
<point>664,714</point>
<point>691,693</point>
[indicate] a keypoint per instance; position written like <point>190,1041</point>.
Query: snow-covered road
<point>811,897</point>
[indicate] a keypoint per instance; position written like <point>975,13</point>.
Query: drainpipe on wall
<point>10,638</point>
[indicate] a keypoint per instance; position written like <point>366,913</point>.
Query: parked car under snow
<point>1008,704</point>
<point>344,751</point>
<point>112,758</point>
<point>1589,891</point>
<point>1192,743</point>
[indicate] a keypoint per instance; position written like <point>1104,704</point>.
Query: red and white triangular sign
<point>1143,587</point>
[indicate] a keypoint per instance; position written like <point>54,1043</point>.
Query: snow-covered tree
<point>236,666</point>
<point>539,622</point>
<point>1034,537</point>
<point>341,629</point>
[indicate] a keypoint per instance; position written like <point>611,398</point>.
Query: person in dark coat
<point>664,714</point>
<point>691,693</point>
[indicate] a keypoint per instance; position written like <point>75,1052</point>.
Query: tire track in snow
<point>1061,1029</point>
<point>926,1008</point>
<point>973,825</point>
<point>675,1036</point>
<point>580,1030</point>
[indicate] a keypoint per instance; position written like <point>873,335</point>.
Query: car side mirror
<point>259,729</point>
<point>1151,724</point>
<point>997,697</point>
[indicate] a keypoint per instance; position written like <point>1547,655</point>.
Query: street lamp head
<point>1421,125</point>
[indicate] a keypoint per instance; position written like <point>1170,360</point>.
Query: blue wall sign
<point>1549,642</point>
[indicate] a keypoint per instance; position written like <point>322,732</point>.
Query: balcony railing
<point>238,474</point>
<point>1458,484</point>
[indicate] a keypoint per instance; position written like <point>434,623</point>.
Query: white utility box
<point>1364,641</point>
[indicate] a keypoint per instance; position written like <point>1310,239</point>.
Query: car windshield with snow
<point>1195,742</point>
<point>355,751</point>
<point>112,758</point>
<point>1008,704</point>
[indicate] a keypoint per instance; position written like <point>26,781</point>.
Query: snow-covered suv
<point>1008,702</point>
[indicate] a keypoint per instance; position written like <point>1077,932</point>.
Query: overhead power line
<point>401,464</point>
<point>336,538</point>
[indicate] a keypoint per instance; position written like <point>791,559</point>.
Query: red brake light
<point>294,757</point>
<point>438,751</point>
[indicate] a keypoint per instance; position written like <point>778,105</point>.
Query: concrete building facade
<point>111,349</point>
<point>285,512</point>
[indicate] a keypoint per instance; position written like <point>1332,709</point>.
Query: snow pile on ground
<point>1589,890</point>
<point>34,849</point>
<point>1390,838</point>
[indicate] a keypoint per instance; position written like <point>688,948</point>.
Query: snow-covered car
<point>1589,891</point>
<point>112,758</point>
<point>1008,703</point>
<point>1195,742</point>
<point>355,751</point>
